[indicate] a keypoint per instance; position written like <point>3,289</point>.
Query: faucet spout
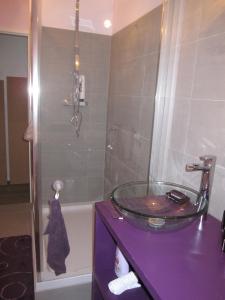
<point>196,167</point>
<point>207,167</point>
<point>209,163</point>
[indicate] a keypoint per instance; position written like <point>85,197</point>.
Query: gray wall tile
<point>150,63</point>
<point>95,188</point>
<point>146,117</point>
<point>139,38</point>
<point>128,78</point>
<point>81,162</point>
<point>134,65</point>
<point>62,155</point>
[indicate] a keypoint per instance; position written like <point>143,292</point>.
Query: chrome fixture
<point>57,187</point>
<point>77,97</point>
<point>77,115</point>
<point>207,168</point>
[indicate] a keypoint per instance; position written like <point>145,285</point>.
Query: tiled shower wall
<point>79,162</point>
<point>134,61</point>
<point>198,126</point>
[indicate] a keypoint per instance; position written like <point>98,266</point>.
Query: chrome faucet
<point>207,168</point>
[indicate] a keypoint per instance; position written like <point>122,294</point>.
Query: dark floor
<point>16,270</point>
<point>14,193</point>
<point>78,292</point>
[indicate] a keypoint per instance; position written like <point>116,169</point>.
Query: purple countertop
<point>186,264</point>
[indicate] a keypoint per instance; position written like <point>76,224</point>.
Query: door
<point>3,175</point>
<point>17,122</point>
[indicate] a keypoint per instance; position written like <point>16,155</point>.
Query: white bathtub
<point>79,224</point>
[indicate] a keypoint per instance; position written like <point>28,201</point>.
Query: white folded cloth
<point>28,135</point>
<point>123,283</point>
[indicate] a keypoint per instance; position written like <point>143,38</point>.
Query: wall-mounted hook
<point>57,187</point>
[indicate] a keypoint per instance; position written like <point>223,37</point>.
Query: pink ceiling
<point>60,14</point>
<point>14,16</point>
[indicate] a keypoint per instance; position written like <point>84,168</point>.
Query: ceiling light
<point>107,23</point>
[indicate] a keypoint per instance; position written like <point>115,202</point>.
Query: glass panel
<point>120,72</point>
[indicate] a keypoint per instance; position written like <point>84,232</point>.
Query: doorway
<point>14,150</point>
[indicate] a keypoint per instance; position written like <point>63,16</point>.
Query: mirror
<point>114,122</point>
<point>15,204</point>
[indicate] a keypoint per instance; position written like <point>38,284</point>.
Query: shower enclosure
<point>77,161</point>
<point>114,140</point>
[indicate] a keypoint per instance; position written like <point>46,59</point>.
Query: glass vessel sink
<point>158,205</point>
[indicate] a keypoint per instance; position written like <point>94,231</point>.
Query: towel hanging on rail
<point>58,244</point>
<point>28,134</point>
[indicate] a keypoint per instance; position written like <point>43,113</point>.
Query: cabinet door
<point>18,121</point>
<point>3,176</point>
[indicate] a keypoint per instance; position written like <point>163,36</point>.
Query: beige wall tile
<point>213,17</point>
<point>206,129</point>
<point>185,69</point>
<point>209,79</point>
<point>190,20</point>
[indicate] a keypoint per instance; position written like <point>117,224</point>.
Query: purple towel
<point>58,244</point>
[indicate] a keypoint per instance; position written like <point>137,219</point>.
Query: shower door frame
<point>34,100</point>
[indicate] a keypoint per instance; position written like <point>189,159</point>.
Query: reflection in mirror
<point>14,174</point>
<point>119,64</point>
<point>15,205</point>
